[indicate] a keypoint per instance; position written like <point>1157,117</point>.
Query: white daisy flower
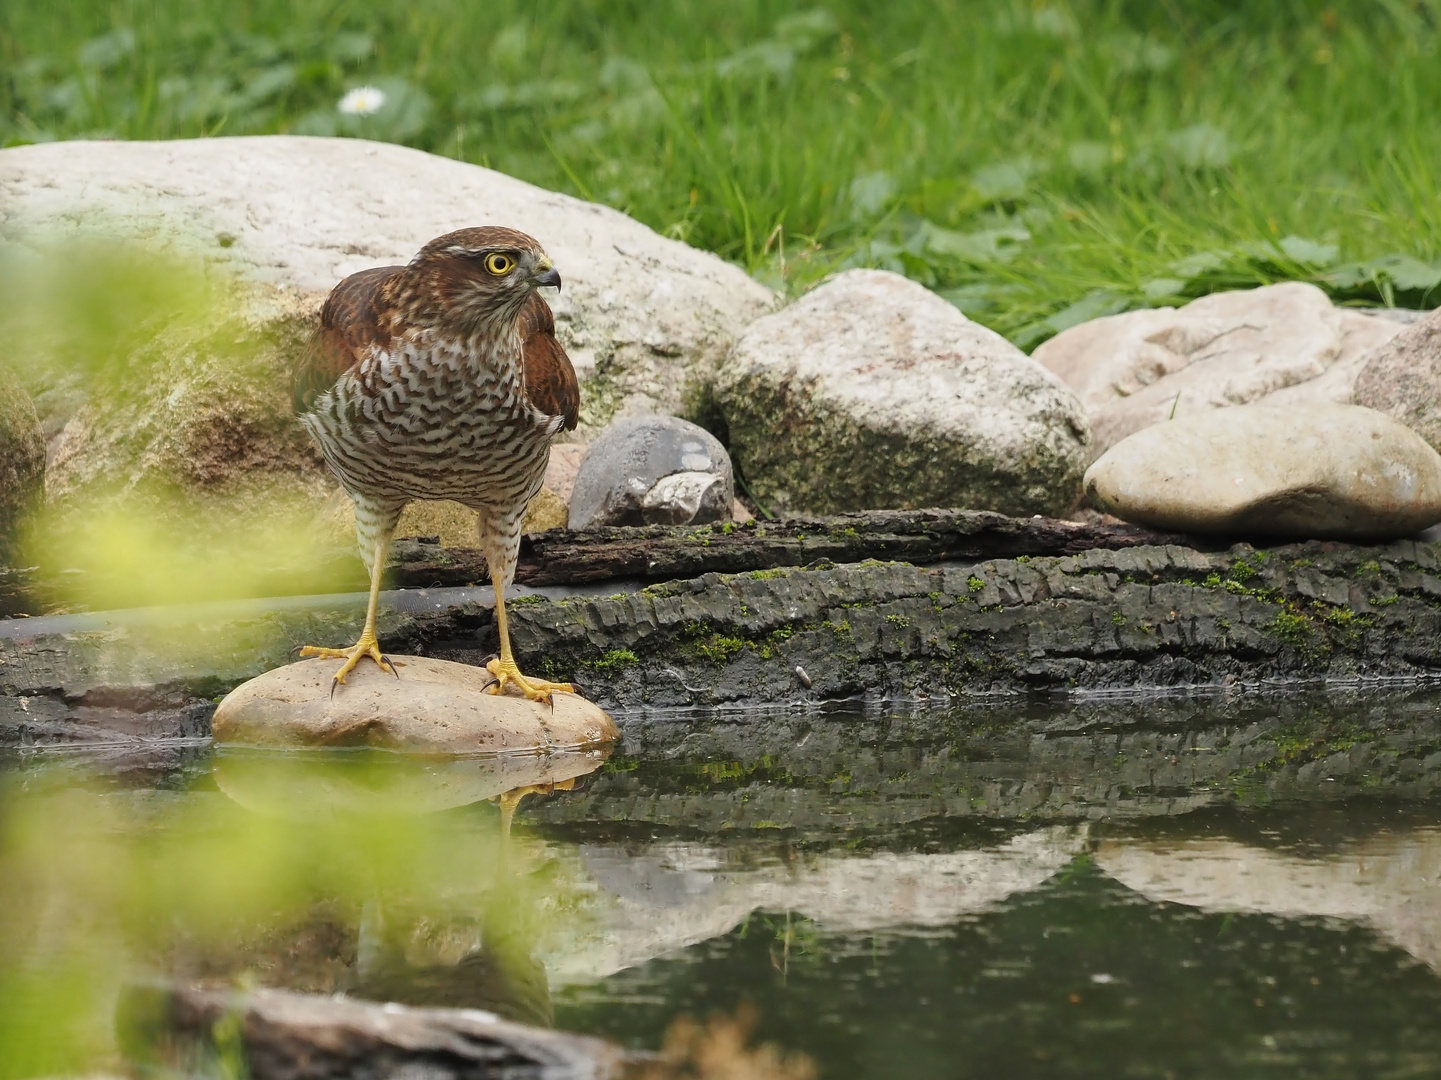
<point>362,101</point>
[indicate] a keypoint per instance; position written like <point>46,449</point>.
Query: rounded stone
<point>658,314</point>
<point>653,470</point>
<point>1280,345</point>
<point>430,705</point>
<point>1337,471</point>
<point>873,393</point>
<point>1403,378</point>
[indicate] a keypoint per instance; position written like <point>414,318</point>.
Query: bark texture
<point>1104,620</point>
<point>662,553</point>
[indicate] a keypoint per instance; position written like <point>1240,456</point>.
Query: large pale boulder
<point>1282,344</point>
<point>1337,471</point>
<point>871,392</point>
<point>644,318</point>
<point>1403,378</point>
<point>427,705</point>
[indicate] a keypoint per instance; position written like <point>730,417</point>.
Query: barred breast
<point>427,418</point>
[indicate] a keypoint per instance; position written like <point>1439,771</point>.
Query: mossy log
<point>1103,620</point>
<point>1145,617</point>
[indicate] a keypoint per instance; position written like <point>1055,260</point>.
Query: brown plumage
<point>350,324</point>
<point>441,379</point>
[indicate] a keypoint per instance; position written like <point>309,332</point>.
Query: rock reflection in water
<point>1094,951</point>
<point>485,964</point>
<point>474,952</point>
<point>1389,880</point>
<point>302,784</point>
<point>663,897</point>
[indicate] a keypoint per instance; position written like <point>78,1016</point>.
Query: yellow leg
<point>367,645</point>
<point>504,669</point>
<point>511,799</point>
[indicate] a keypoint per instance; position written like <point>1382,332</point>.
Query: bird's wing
<point>550,384</point>
<point>349,326</point>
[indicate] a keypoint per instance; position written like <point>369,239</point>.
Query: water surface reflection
<point>1068,893</point>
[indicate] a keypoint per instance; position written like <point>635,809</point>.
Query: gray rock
<point>1283,344</point>
<point>1403,378</point>
<point>433,705</point>
<point>1319,471</point>
<point>22,457</point>
<point>871,392</point>
<point>653,470</point>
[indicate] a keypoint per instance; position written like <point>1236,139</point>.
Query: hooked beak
<point>549,276</point>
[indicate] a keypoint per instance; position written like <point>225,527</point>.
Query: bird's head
<point>474,279</point>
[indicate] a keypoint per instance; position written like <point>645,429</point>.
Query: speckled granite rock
<point>653,470</point>
<point>656,314</point>
<point>645,319</point>
<point>1403,378</point>
<point>871,392</point>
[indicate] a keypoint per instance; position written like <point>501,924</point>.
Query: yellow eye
<point>499,264</point>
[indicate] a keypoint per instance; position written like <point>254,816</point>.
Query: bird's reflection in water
<point>474,948</point>
<point>497,972</point>
<point>400,959</point>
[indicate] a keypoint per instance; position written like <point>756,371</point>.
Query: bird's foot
<point>366,646</point>
<point>511,799</point>
<point>535,689</point>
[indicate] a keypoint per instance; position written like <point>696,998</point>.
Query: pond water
<point>1213,887</point>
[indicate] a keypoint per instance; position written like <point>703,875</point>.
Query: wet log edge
<point>665,553</point>
<point>654,553</point>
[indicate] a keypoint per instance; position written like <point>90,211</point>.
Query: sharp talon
<point>352,656</point>
<point>534,689</point>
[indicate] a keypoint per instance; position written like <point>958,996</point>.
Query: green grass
<point>1037,163</point>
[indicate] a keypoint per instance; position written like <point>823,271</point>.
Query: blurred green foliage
<point>331,877</point>
<point>92,307</point>
<point>1037,161</point>
<point>155,340</point>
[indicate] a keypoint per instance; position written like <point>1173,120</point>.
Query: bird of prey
<point>441,379</point>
